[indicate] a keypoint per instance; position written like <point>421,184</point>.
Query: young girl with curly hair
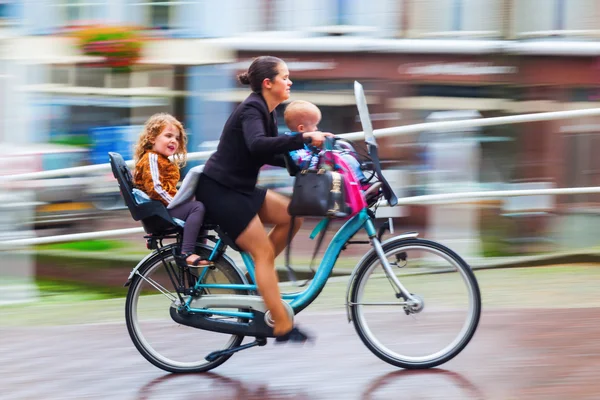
<point>156,175</point>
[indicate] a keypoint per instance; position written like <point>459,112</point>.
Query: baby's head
<point>302,116</point>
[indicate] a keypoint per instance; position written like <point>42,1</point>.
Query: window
<point>157,14</point>
<point>321,86</point>
<point>364,17</point>
<point>483,92</point>
<point>585,94</point>
<point>582,166</point>
<point>3,98</point>
<point>91,77</point>
<point>8,13</point>
<point>289,15</point>
<point>372,17</point>
<point>456,18</point>
<point>79,12</point>
<point>5,10</point>
<point>544,18</point>
<point>160,12</point>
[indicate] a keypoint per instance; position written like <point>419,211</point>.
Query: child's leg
<point>192,213</point>
<point>187,190</point>
<point>355,165</point>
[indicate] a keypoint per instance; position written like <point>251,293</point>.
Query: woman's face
<point>280,85</point>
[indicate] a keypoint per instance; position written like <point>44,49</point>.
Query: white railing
<point>396,131</point>
<point>426,199</point>
<point>401,130</point>
<point>19,243</point>
<point>512,119</point>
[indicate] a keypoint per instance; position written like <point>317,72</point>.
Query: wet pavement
<point>515,354</point>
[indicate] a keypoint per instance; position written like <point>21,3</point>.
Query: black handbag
<point>318,193</point>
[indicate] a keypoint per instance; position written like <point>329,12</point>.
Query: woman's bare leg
<point>255,241</point>
<point>274,211</point>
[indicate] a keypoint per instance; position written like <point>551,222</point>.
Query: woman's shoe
<point>294,336</point>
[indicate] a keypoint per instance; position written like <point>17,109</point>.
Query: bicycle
<point>172,310</point>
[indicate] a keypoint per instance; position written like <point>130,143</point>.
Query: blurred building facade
<point>415,58</point>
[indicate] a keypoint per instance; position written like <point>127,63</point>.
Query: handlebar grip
<point>329,142</point>
<point>328,139</point>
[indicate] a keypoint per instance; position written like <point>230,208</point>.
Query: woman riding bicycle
<point>228,187</point>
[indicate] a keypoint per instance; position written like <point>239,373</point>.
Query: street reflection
<point>218,387</point>
<point>423,384</point>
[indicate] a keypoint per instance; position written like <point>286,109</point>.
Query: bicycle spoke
<point>378,304</point>
<point>434,324</point>
<point>161,340</point>
<point>158,287</point>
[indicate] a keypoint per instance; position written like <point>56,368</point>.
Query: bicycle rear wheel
<point>162,341</point>
<point>413,338</point>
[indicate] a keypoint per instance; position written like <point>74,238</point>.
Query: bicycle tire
<point>142,342</point>
<point>364,272</point>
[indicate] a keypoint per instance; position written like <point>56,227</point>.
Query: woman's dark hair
<point>261,68</point>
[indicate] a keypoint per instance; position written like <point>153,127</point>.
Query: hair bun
<point>244,78</point>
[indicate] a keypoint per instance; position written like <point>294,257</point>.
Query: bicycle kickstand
<point>216,354</point>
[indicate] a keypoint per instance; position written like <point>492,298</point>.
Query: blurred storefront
<point>77,103</point>
<point>418,60</point>
<point>407,88</point>
<point>412,62</point>
<point>57,96</point>
<point>561,151</point>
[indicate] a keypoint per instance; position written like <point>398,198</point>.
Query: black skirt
<point>228,208</point>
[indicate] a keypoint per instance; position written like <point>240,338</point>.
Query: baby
<point>302,116</point>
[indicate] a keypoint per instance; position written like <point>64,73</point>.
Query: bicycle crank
<point>220,353</point>
<point>259,326</point>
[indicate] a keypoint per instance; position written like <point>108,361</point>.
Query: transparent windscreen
<point>363,113</point>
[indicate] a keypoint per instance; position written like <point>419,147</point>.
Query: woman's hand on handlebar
<point>316,138</point>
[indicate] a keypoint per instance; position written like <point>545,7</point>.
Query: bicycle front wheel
<point>415,337</point>
<point>162,341</point>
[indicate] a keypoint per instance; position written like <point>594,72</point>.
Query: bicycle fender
<point>134,270</point>
<point>404,236</point>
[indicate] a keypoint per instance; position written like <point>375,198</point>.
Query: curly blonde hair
<point>153,127</point>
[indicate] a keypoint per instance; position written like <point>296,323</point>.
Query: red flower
<point>121,46</point>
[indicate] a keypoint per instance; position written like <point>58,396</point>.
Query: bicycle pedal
<point>220,353</point>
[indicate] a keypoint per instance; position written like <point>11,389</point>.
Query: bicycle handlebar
<point>332,139</point>
<point>388,192</point>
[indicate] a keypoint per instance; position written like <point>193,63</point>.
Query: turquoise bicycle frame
<point>299,300</point>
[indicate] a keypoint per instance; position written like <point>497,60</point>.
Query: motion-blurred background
<point>78,78</point>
